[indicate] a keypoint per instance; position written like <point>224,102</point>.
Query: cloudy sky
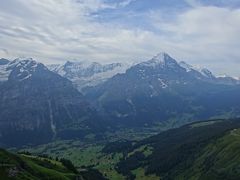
<point>201,32</point>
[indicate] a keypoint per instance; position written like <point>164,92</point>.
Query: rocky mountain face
<point>87,74</point>
<point>162,90</point>
<point>37,105</point>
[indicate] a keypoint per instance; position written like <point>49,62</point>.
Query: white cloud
<point>61,29</point>
<point>204,35</point>
<point>55,30</point>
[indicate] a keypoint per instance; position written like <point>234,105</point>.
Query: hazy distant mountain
<point>37,105</point>
<point>4,61</point>
<point>207,75</point>
<point>161,90</point>
<point>85,74</point>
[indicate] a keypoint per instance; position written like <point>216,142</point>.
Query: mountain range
<point>84,74</point>
<point>41,103</point>
<point>161,90</point>
<point>89,74</point>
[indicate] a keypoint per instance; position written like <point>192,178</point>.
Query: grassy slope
<point>22,167</point>
<point>205,150</point>
<point>82,156</point>
<point>219,160</point>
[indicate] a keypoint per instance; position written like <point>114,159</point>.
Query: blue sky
<point>201,32</point>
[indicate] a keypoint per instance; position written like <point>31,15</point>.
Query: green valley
<point>201,150</point>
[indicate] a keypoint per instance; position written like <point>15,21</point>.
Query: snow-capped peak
<point>160,56</point>
<point>25,64</point>
<point>22,68</point>
<point>86,69</point>
<point>86,73</point>
<point>161,59</point>
<point>22,62</point>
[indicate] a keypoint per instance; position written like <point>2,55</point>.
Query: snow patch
<point>84,74</point>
